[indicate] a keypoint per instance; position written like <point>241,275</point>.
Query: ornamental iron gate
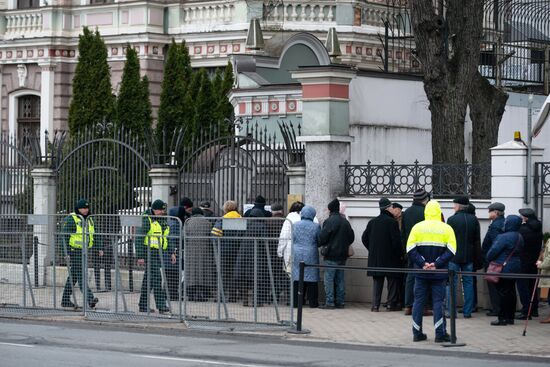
<point>16,191</point>
<point>219,165</point>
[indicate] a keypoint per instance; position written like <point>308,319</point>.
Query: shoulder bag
<point>494,268</point>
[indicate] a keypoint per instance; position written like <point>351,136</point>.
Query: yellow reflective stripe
<point>217,232</point>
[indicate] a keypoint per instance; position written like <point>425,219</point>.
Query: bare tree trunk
<point>447,41</point>
<point>487,104</point>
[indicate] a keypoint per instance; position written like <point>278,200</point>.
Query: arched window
<point>28,115</point>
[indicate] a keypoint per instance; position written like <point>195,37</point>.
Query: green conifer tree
<point>133,105</point>
<point>204,113</point>
<point>93,101</point>
<point>172,96</point>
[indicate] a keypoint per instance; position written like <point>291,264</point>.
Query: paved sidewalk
<point>357,324</point>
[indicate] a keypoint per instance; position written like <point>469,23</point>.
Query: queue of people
<point>414,238</point>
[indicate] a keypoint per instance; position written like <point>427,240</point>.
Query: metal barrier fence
<point>232,271</point>
<point>133,267</point>
<point>451,276</point>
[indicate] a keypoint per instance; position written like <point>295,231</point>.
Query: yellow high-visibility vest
<point>156,236</point>
<point>77,239</point>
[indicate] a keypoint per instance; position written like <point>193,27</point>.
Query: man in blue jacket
<point>431,245</point>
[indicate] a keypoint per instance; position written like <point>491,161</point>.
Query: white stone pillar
<point>47,95</point>
<point>296,180</point>
<point>164,181</point>
<point>45,199</point>
<point>325,131</point>
<point>509,174</point>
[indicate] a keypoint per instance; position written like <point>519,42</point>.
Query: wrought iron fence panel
<point>109,167</point>
<point>443,180</point>
<point>542,187</point>
<point>220,165</point>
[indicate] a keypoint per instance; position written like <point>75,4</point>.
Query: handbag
<point>351,252</point>
<point>495,268</point>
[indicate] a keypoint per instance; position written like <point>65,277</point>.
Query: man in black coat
<point>383,241</point>
<point>411,216</point>
<point>259,205</point>
<point>531,231</point>
<point>335,239</point>
<point>468,244</point>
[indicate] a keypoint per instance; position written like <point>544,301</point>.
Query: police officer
<point>153,233</point>
<point>73,241</point>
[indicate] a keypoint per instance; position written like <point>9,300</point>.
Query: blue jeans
<point>467,287</point>
<point>334,278</point>
<point>421,288</point>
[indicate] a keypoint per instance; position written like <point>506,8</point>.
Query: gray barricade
<point>35,266</point>
<point>232,272</point>
<point>134,274</point>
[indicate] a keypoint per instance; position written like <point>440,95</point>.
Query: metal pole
<point>148,280</point>
<point>255,295</point>
<point>452,301</point>
<point>35,252</point>
<point>547,70</point>
<point>23,268</point>
<point>117,273</point>
<point>300,296</point>
<point>529,150</point>
<point>84,268</point>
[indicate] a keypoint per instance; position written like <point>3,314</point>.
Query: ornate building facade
<point>39,38</point>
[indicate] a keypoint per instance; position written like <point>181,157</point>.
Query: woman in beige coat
<point>544,265</point>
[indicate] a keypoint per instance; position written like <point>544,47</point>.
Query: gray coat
<point>305,237</point>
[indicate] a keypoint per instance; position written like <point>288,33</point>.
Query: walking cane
<point>531,303</point>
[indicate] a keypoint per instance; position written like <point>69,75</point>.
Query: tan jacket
<point>545,266</point>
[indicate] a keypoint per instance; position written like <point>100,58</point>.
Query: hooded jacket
<point>305,237</point>
<point>531,231</point>
<point>431,241</point>
<point>505,244</point>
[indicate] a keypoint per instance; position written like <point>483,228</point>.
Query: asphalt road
<point>37,344</point>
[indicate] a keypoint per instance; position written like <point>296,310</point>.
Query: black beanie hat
<point>82,204</point>
<point>158,205</point>
<point>334,206</point>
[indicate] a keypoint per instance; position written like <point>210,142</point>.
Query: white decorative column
<point>46,100</point>
<point>509,174</point>
<point>163,180</point>
<point>45,198</point>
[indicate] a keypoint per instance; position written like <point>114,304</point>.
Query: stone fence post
<point>163,181</point>
<point>325,131</point>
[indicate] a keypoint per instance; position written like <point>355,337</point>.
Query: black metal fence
<point>442,180</point>
<point>515,49</point>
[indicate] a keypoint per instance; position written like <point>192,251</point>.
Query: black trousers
<point>507,294</point>
<point>393,291</point>
<point>493,297</point>
<point>311,294</point>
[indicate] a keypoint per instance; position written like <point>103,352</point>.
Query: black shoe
<point>395,308</point>
<point>443,339</point>
<point>340,306</point>
<point>68,304</point>
<point>492,314</point>
<point>523,317</point>
<point>420,337</point>
<point>164,311</point>
<point>93,302</point>
<point>535,314</point>
<point>327,307</point>
<point>499,323</point>
<point>467,316</point>
<point>374,309</point>
<point>510,321</point>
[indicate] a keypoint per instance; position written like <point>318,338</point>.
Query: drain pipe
<point>529,148</point>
